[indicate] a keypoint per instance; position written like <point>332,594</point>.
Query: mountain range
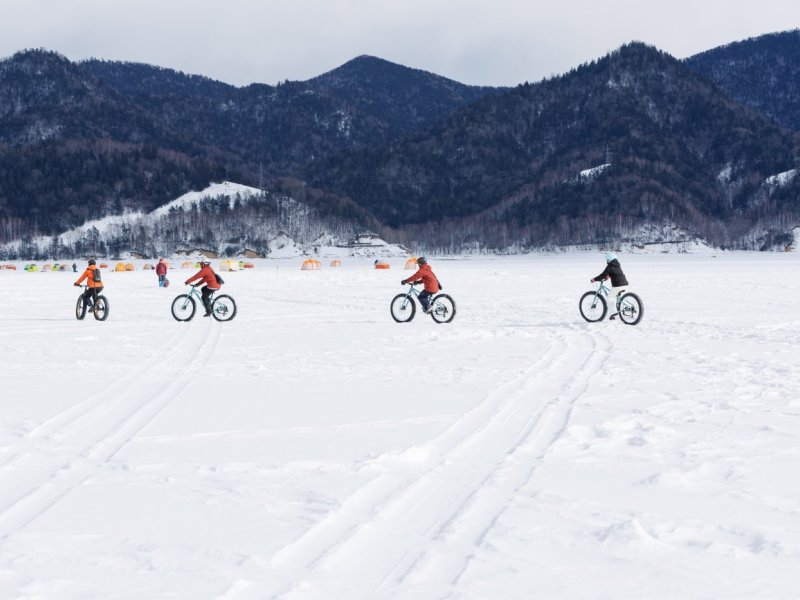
<point>633,147</point>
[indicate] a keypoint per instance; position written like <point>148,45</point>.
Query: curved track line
<point>98,435</point>
<point>76,411</point>
<point>389,517</point>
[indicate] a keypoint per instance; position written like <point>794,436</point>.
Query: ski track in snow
<point>486,455</point>
<point>70,448</point>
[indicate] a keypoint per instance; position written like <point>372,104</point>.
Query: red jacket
<point>161,268</point>
<point>208,277</point>
<point>92,277</point>
<point>425,274</point>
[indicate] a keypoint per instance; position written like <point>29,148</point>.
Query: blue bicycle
<point>593,306</point>
<point>441,308</point>
<point>223,307</point>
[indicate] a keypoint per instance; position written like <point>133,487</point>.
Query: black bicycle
<point>99,307</point>
<point>442,308</point>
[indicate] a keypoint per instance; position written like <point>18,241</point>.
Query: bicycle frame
<point>602,288</point>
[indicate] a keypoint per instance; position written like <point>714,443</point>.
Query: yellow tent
<point>310,264</point>
<point>120,267</point>
<point>229,265</point>
<point>186,265</point>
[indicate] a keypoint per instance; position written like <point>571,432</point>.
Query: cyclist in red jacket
<point>209,278</point>
<point>425,275</point>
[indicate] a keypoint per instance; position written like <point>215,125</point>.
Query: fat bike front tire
<point>402,308</point>
<point>631,309</point>
<point>101,308</point>
<point>223,308</point>
<point>80,308</point>
<point>593,307</point>
<point>183,307</point>
<point>444,308</point>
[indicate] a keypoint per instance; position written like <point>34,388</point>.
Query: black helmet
<point>422,260</point>
<point>92,261</point>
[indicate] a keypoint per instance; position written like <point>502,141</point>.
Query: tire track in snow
<point>58,422</point>
<point>443,554</point>
<point>375,534</point>
<point>89,440</point>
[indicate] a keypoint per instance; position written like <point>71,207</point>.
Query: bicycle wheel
<point>80,308</point>
<point>444,308</point>
<point>631,309</point>
<point>183,307</point>
<point>402,308</point>
<point>593,307</point>
<point>223,308</point>
<point>101,308</point>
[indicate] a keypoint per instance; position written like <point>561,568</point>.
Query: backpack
<point>96,276</point>
<point>220,280</point>
<point>439,283</point>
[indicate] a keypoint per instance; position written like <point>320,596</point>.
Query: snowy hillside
<point>225,219</point>
<point>313,449</point>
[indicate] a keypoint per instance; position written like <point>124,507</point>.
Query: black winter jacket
<point>614,271</point>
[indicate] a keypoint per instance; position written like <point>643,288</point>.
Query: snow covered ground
<point>314,449</point>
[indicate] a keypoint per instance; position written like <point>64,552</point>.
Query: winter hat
<point>610,256</point>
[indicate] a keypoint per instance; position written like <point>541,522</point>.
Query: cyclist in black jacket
<point>618,280</point>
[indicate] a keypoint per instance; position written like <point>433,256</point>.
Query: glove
<point>402,282</point>
<point>591,280</point>
<point>77,284</point>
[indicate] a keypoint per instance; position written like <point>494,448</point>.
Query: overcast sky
<point>488,42</point>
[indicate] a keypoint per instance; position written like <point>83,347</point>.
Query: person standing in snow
<point>93,280</point>
<point>425,275</point>
<point>619,282</point>
<point>211,280</point>
<point>161,271</point>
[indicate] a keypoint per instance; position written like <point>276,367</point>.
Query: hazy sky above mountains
<point>502,42</point>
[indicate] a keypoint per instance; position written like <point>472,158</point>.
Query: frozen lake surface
<point>314,449</point>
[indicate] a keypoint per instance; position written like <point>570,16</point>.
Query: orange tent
<point>249,266</point>
<point>103,266</point>
<point>411,263</point>
<point>381,265</point>
<point>310,265</point>
<point>336,263</point>
<point>130,267</point>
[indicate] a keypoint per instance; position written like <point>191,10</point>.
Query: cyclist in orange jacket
<point>93,279</point>
<point>210,279</point>
<point>425,275</point>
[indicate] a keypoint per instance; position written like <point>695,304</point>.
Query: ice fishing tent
<point>381,265</point>
<point>311,264</point>
<point>186,265</point>
<point>248,266</point>
<point>130,267</point>
<point>120,267</point>
<point>229,265</point>
<point>147,267</point>
<point>103,265</point>
<point>411,263</point>
<point>336,263</point>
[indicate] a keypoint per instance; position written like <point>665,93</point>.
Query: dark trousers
<point>161,279</point>
<point>90,294</point>
<point>424,299</point>
<point>206,293</point>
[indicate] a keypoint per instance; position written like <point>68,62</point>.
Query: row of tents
<point>312,264</point>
